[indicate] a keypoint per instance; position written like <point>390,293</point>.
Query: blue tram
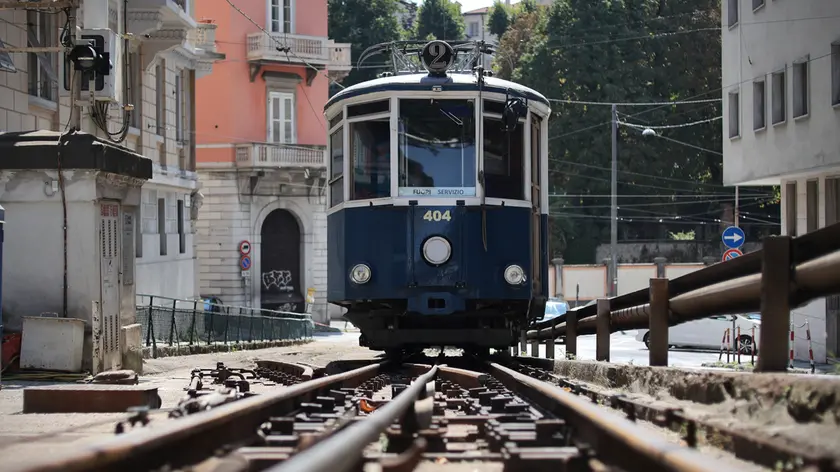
<point>437,202</point>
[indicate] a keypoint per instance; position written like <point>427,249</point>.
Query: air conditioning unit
<point>106,87</point>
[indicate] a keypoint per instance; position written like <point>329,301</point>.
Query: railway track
<point>440,414</point>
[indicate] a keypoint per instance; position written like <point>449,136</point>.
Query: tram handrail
<point>724,288</point>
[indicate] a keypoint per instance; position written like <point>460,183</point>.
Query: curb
<point>175,351</point>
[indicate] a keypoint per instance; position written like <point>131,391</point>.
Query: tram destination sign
<point>437,57</point>
<point>437,191</point>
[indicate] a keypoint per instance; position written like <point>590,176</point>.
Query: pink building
<point>261,152</point>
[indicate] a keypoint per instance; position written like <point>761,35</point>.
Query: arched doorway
<point>280,256</point>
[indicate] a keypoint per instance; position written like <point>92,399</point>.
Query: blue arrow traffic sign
<point>733,237</point>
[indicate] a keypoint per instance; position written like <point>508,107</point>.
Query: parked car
<point>555,307</point>
<point>708,332</point>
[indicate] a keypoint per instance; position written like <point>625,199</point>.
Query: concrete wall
<point>227,217</point>
<point>765,41</point>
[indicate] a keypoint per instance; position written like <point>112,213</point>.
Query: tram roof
<point>452,82</point>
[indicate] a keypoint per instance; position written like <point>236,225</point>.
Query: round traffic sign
<point>732,254</point>
<point>245,263</point>
<point>733,237</point>
<point>245,247</point>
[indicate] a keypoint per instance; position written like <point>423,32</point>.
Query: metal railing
<point>171,321</point>
<point>280,155</point>
<point>786,273</point>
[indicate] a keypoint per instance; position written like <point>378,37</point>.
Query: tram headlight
<point>514,275</point>
<point>437,250</point>
<point>360,274</point>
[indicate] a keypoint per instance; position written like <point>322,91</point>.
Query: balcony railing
<point>204,36</point>
<point>280,155</point>
<point>313,49</point>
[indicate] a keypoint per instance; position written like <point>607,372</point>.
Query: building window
<point>179,107</point>
<point>281,16</point>
<point>473,28</point>
<point>832,201</point>
<point>160,98</point>
<point>734,115</point>
<point>337,166</point>
<point>790,208</point>
<point>756,4</point>
<point>759,105</point>
<point>281,117</point>
<point>733,12</point>
<point>812,200</point>
<point>182,236</point>
<point>779,97</point>
<point>161,211</point>
<point>42,31</point>
<point>800,89</point>
<point>835,73</point>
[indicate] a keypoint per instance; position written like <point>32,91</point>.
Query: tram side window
<point>504,165</point>
<point>437,148</point>
<point>370,151</point>
<point>337,167</point>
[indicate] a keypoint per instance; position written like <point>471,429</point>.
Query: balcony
<point>320,52</point>
<point>264,155</point>
<point>148,16</point>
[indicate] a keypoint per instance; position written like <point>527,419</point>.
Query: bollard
<point>571,334</point>
<point>535,349</point>
<point>549,349</point>
<point>738,346</point>
<point>775,303</point>
<point>658,322</point>
<point>523,343</point>
<point>2,231</point>
<point>752,351</point>
<point>723,344</point>
<point>602,330</point>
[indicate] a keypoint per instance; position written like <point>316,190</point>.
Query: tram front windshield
<point>437,149</point>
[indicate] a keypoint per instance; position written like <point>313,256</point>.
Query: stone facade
<point>229,215</point>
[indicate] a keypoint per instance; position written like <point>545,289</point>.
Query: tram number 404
<point>437,215</point>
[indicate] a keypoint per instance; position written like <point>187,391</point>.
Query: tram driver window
<point>503,163</point>
<point>370,149</point>
<point>437,148</point>
<point>336,167</point>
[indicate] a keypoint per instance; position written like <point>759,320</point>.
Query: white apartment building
<point>781,123</point>
<point>169,49</point>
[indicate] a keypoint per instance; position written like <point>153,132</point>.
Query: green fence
<point>173,321</point>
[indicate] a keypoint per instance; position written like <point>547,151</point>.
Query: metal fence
<point>174,321</point>
<point>786,273</point>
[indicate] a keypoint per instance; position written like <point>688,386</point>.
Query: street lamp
<point>648,132</point>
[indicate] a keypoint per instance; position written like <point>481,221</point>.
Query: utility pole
<point>614,206</point>
<point>75,78</point>
<point>737,204</point>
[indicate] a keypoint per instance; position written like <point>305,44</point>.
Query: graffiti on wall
<point>281,279</point>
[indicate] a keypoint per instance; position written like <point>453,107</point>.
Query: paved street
<point>624,349</point>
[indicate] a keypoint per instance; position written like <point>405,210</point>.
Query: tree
<point>499,19</point>
<point>626,51</point>
<point>520,37</point>
<point>363,23</point>
<point>439,19</point>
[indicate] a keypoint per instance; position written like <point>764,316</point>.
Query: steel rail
<point>195,438</point>
<point>342,451</point>
<point>815,278</point>
<point>616,440</point>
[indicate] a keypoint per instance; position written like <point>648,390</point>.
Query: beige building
<point>128,181</point>
<point>781,123</point>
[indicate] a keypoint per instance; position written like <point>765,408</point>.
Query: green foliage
<point>439,19</point>
<point>624,51</point>
<point>683,236</point>
<point>363,23</point>
<point>499,18</point>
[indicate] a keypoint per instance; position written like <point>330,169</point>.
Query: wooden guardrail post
<point>775,303</point>
<point>658,322</point>
<point>571,334</point>
<point>549,343</point>
<point>535,348</point>
<point>602,330</point>
<point>523,342</point>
